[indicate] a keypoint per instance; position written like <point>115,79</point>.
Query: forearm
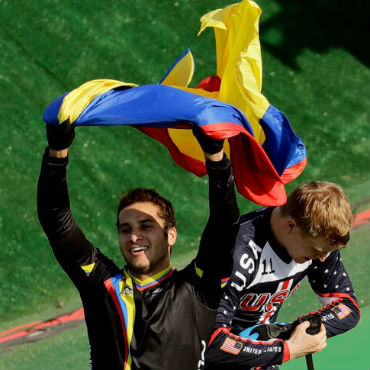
<point>65,237</point>
<point>223,205</point>
<point>52,194</point>
<point>222,198</point>
<point>228,349</point>
<point>331,283</point>
<point>340,315</point>
<point>215,255</point>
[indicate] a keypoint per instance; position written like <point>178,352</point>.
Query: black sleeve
<point>229,351</point>
<point>70,247</point>
<point>214,260</point>
<point>330,281</point>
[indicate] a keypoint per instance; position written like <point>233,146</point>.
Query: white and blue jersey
<point>264,276</point>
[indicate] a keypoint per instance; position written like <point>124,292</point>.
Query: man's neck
<point>152,275</point>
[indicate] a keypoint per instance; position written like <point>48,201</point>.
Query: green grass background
<point>316,70</point>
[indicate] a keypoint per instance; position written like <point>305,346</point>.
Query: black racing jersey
<point>163,322</point>
<point>264,276</point>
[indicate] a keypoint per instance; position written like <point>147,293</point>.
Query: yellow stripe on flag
<point>78,99</point>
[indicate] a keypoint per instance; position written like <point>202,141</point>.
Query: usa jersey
<point>264,276</point>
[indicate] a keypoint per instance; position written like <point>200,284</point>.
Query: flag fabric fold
<point>264,151</point>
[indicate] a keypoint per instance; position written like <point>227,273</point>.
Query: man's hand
<point>60,138</point>
<point>212,148</point>
<point>300,343</point>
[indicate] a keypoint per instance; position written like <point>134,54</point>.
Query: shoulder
<point>253,224</point>
<point>249,218</point>
<point>103,267</point>
<point>253,232</point>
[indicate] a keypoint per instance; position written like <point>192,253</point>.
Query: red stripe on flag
<point>255,175</point>
<point>184,161</point>
<point>293,172</point>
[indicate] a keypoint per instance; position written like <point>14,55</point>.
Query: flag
<point>231,346</point>
<point>341,310</point>
<point>264,151</point>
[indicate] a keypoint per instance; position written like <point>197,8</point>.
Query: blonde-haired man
<point>275,249</point>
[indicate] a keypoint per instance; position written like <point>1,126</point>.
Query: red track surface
<point>362,218</point>
<point>40,329</point>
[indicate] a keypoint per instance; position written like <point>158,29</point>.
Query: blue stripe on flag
<point>283,147</point>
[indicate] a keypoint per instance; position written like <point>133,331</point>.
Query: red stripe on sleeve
<point>215,333</point>
<point>286,352</point>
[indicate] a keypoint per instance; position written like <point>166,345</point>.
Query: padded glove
<point>280,330</point>
<point>209,145</point>
<point>60,136</point>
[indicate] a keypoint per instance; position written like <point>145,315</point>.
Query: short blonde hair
<point>321,210</point>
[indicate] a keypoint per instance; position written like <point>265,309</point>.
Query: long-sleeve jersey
<point>163,322</point>
<point>264,276</point>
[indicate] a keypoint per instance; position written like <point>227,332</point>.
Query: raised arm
<point>69,244</point>
<point>214,260</point>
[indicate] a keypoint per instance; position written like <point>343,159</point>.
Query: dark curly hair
<point>149,195</point>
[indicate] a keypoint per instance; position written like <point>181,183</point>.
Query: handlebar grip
<point>315,324</point>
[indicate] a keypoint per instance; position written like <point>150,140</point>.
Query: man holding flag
<point>146,315</point>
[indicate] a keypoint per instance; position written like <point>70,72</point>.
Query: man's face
<point>143,242</point>
<point>303,248</point>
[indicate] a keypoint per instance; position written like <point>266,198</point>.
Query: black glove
<point>284,330</point>
<point>209,146</point>
<point>60,136</point>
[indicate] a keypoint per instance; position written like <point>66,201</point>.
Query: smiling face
<point>144,244</point>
